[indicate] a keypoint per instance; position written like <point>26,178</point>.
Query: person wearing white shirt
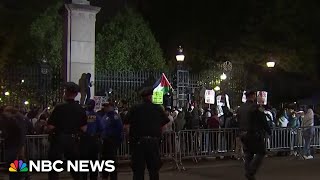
<point>308,132</point>
<point>167,133</point>
<point>175,113</point>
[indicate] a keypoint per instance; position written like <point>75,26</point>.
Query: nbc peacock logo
<point>18,166</point>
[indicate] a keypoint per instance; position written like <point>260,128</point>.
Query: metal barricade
<point>281,139</point>
<point>191,144</point>
<point>206,143</point>
<point>37,147</point>
<point>169,147</point>
<point>304,135</point>
<point>316,138</point>
<point>124,149</point>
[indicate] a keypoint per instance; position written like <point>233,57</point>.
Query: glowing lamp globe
<point>223,76</point>
<point>271,64</point>
<point>180,56</point>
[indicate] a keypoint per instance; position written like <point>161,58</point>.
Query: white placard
<point>100,100</point>
<point>244,97</point>
<point>209,96</point>
<point>223,100</point>
<point>262,97</point>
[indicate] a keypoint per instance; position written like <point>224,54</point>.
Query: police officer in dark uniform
<point>89,142</point>
<point>66,123</point>
<point>111,135</point>
<point>145,122</point>
<point>253,128</point>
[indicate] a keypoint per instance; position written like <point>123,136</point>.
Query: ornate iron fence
<point>31,84</point>
<point>28,86</point>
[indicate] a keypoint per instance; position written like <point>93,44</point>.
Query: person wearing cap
<point>144,122</point>
<point>102,112</point>
<point>66,122</point>
<point>112,136</point>
<point>253,128</point>
<point>89,142</point>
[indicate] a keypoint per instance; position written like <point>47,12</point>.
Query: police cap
<point>148,91</point>
<point>72,87</point>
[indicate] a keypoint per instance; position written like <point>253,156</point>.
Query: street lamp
<point>26,102</point>
<point>180,56</point>
<point>44,71</point>
<point>7,93</point>
<point>44,66</point>
<point>223,76</point>
<point>217,88</point>
<point>271,63</point>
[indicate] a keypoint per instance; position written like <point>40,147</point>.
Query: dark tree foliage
<point>127,43</point>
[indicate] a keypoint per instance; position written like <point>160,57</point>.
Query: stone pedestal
<point>79,54</point>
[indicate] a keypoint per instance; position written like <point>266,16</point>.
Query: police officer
<point>89,143</point>
<point>112,135</point>
<point>144,122</point>
<point>66,122</point>
<point>253,128</point>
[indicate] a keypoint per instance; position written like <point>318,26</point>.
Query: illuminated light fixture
<point>22,81</point>
<point>271,64</point>
<point>180,56</point>
<point>217,88</point>
<point>7,93</point>
<point>26,102</point>
<point>223,76</point>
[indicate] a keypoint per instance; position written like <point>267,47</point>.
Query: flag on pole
<point>162,85</point>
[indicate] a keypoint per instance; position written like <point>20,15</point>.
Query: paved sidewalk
<point>286,168</point>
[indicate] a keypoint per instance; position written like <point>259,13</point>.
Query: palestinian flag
<point>162,85</point>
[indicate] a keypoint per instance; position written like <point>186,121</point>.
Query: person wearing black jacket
<point>13,127</point>
<point>144,122</point>
<point>253,128</point>
<point>66,123</point>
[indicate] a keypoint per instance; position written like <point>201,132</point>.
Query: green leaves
<point>127,43</point>
<point>46,35</point>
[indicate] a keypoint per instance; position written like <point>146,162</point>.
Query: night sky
<point>206,26</point>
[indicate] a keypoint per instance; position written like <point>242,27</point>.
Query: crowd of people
<point>223,117</point>
<point>188,119</point>
<point>37,121</point>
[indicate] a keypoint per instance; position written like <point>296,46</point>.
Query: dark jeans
<point>89,150</point>
<point>308,135</point>
<point>254,152</point>
<point>109,152</point>
<point>252,163</point>
<point>66,146</point>
<point>213,141</point>
<point>88,94</point>
<point>145,151</point>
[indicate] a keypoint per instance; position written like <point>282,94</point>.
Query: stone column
<point>79,52</point>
